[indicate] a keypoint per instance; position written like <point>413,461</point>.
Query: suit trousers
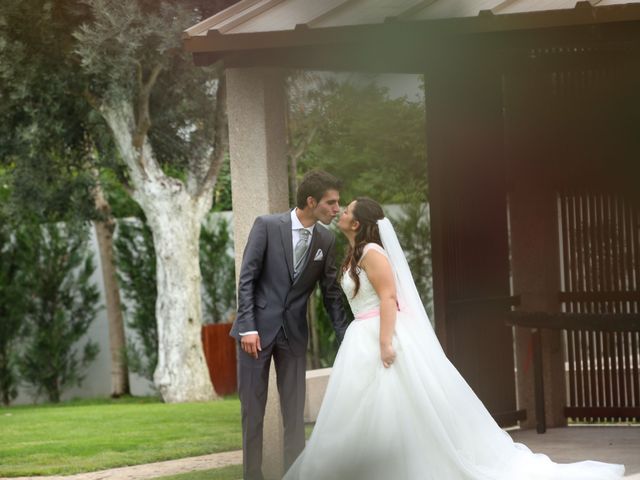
<point>253,385</point>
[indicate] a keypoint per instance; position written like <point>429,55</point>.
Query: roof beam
<point>502,5</point>
<point>254,12</point>
<point>204,26</point>
<point>441,28</point>
<point>341,6</point>
<point>507,51</point>
<point>412,10</point>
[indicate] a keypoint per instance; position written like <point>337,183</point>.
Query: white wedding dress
<point>418,419</point>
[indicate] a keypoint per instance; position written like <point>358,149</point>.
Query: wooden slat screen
<point>600,251</point>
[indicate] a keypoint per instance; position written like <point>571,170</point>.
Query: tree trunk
<point>5,376</point>
<point>181,374</point>
<point>174,215</point>
<point>117,340</point>
<point>53,390</point>
<point>293,181</point>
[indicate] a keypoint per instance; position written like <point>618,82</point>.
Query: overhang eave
<point>584,14</point>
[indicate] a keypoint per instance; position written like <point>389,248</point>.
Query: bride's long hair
<point>367,212</point>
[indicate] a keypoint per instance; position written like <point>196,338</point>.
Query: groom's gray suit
<point>273,302</point>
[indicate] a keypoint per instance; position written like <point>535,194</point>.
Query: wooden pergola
<point>533,112</point>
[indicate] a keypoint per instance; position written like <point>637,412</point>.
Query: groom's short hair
<point>315,184</point>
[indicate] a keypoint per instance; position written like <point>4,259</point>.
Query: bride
<point>395,407</point>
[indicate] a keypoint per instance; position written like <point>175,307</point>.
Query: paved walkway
<point>607,444</point>
<point>615,444</point>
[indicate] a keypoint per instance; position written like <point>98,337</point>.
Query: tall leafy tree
<point>218,271</point>
<point>127,60</point>
<point>12,304</point>
<point>43,134</point>
<point>9,294</point>
<point>374,143</point>
<point>168,121</point>
<point>62,302</point>
<point>49,137</point>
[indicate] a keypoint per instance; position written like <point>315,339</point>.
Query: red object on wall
<point>220,353</point>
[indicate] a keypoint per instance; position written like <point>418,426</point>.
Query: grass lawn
<point>81,436</point>
<point>233,472</point>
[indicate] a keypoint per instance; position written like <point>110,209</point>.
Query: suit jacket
<point>268,295</point>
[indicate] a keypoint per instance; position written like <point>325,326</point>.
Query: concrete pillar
<point>259,183</point>
<point>536,278</point>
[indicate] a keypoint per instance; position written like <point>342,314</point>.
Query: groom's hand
<point>251,344</point>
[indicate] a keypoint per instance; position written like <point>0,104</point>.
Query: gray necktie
<point>301,249</point>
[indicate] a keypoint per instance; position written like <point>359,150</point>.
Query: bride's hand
<point>387,354</point>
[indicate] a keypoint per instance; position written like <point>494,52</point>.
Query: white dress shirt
<point>296,226</point>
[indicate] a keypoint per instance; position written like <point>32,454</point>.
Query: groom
<point>286,255</point>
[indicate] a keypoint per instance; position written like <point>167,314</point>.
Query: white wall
<point>97,381</point>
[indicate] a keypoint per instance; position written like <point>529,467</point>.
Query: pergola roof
<point>265,24</point>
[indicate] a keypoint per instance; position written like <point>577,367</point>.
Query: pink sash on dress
<point>374,312</point>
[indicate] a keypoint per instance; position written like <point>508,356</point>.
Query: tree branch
<point>139,76</point>
<point>302,146</point>
<point>92,100</point>
<point>221,141</point>
<point>125,184</point>
<point>143,118</point>
<point>107,113</point>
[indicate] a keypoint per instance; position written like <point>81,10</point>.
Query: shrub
<point>136,261</point>
<point>61,303</point>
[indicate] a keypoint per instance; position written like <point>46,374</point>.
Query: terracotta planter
<point>220,353</point>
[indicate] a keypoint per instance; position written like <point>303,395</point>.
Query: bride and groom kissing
<point>395,407</point>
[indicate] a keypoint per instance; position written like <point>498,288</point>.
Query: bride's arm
<point>378,269</point>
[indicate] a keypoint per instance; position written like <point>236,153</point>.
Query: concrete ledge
<point>316,386</point>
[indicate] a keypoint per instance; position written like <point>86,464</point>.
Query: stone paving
<point>615,444</point>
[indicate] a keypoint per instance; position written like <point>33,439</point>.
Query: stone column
<point>259,184</point>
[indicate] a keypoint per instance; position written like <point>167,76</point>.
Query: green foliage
<point>44,118</point>
<point>124,43</point>
<point>121,203</point>
<point>49,189</point>
<point>62,302</point>
<point>12,306</point>
<point>135,258</point>
<point>54,55</point>
<point>40,82</point>
<point>222,191</point>
<point>217,265</point>
<point>375,144</point>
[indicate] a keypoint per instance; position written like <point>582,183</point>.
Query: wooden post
<point>541,424</point>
